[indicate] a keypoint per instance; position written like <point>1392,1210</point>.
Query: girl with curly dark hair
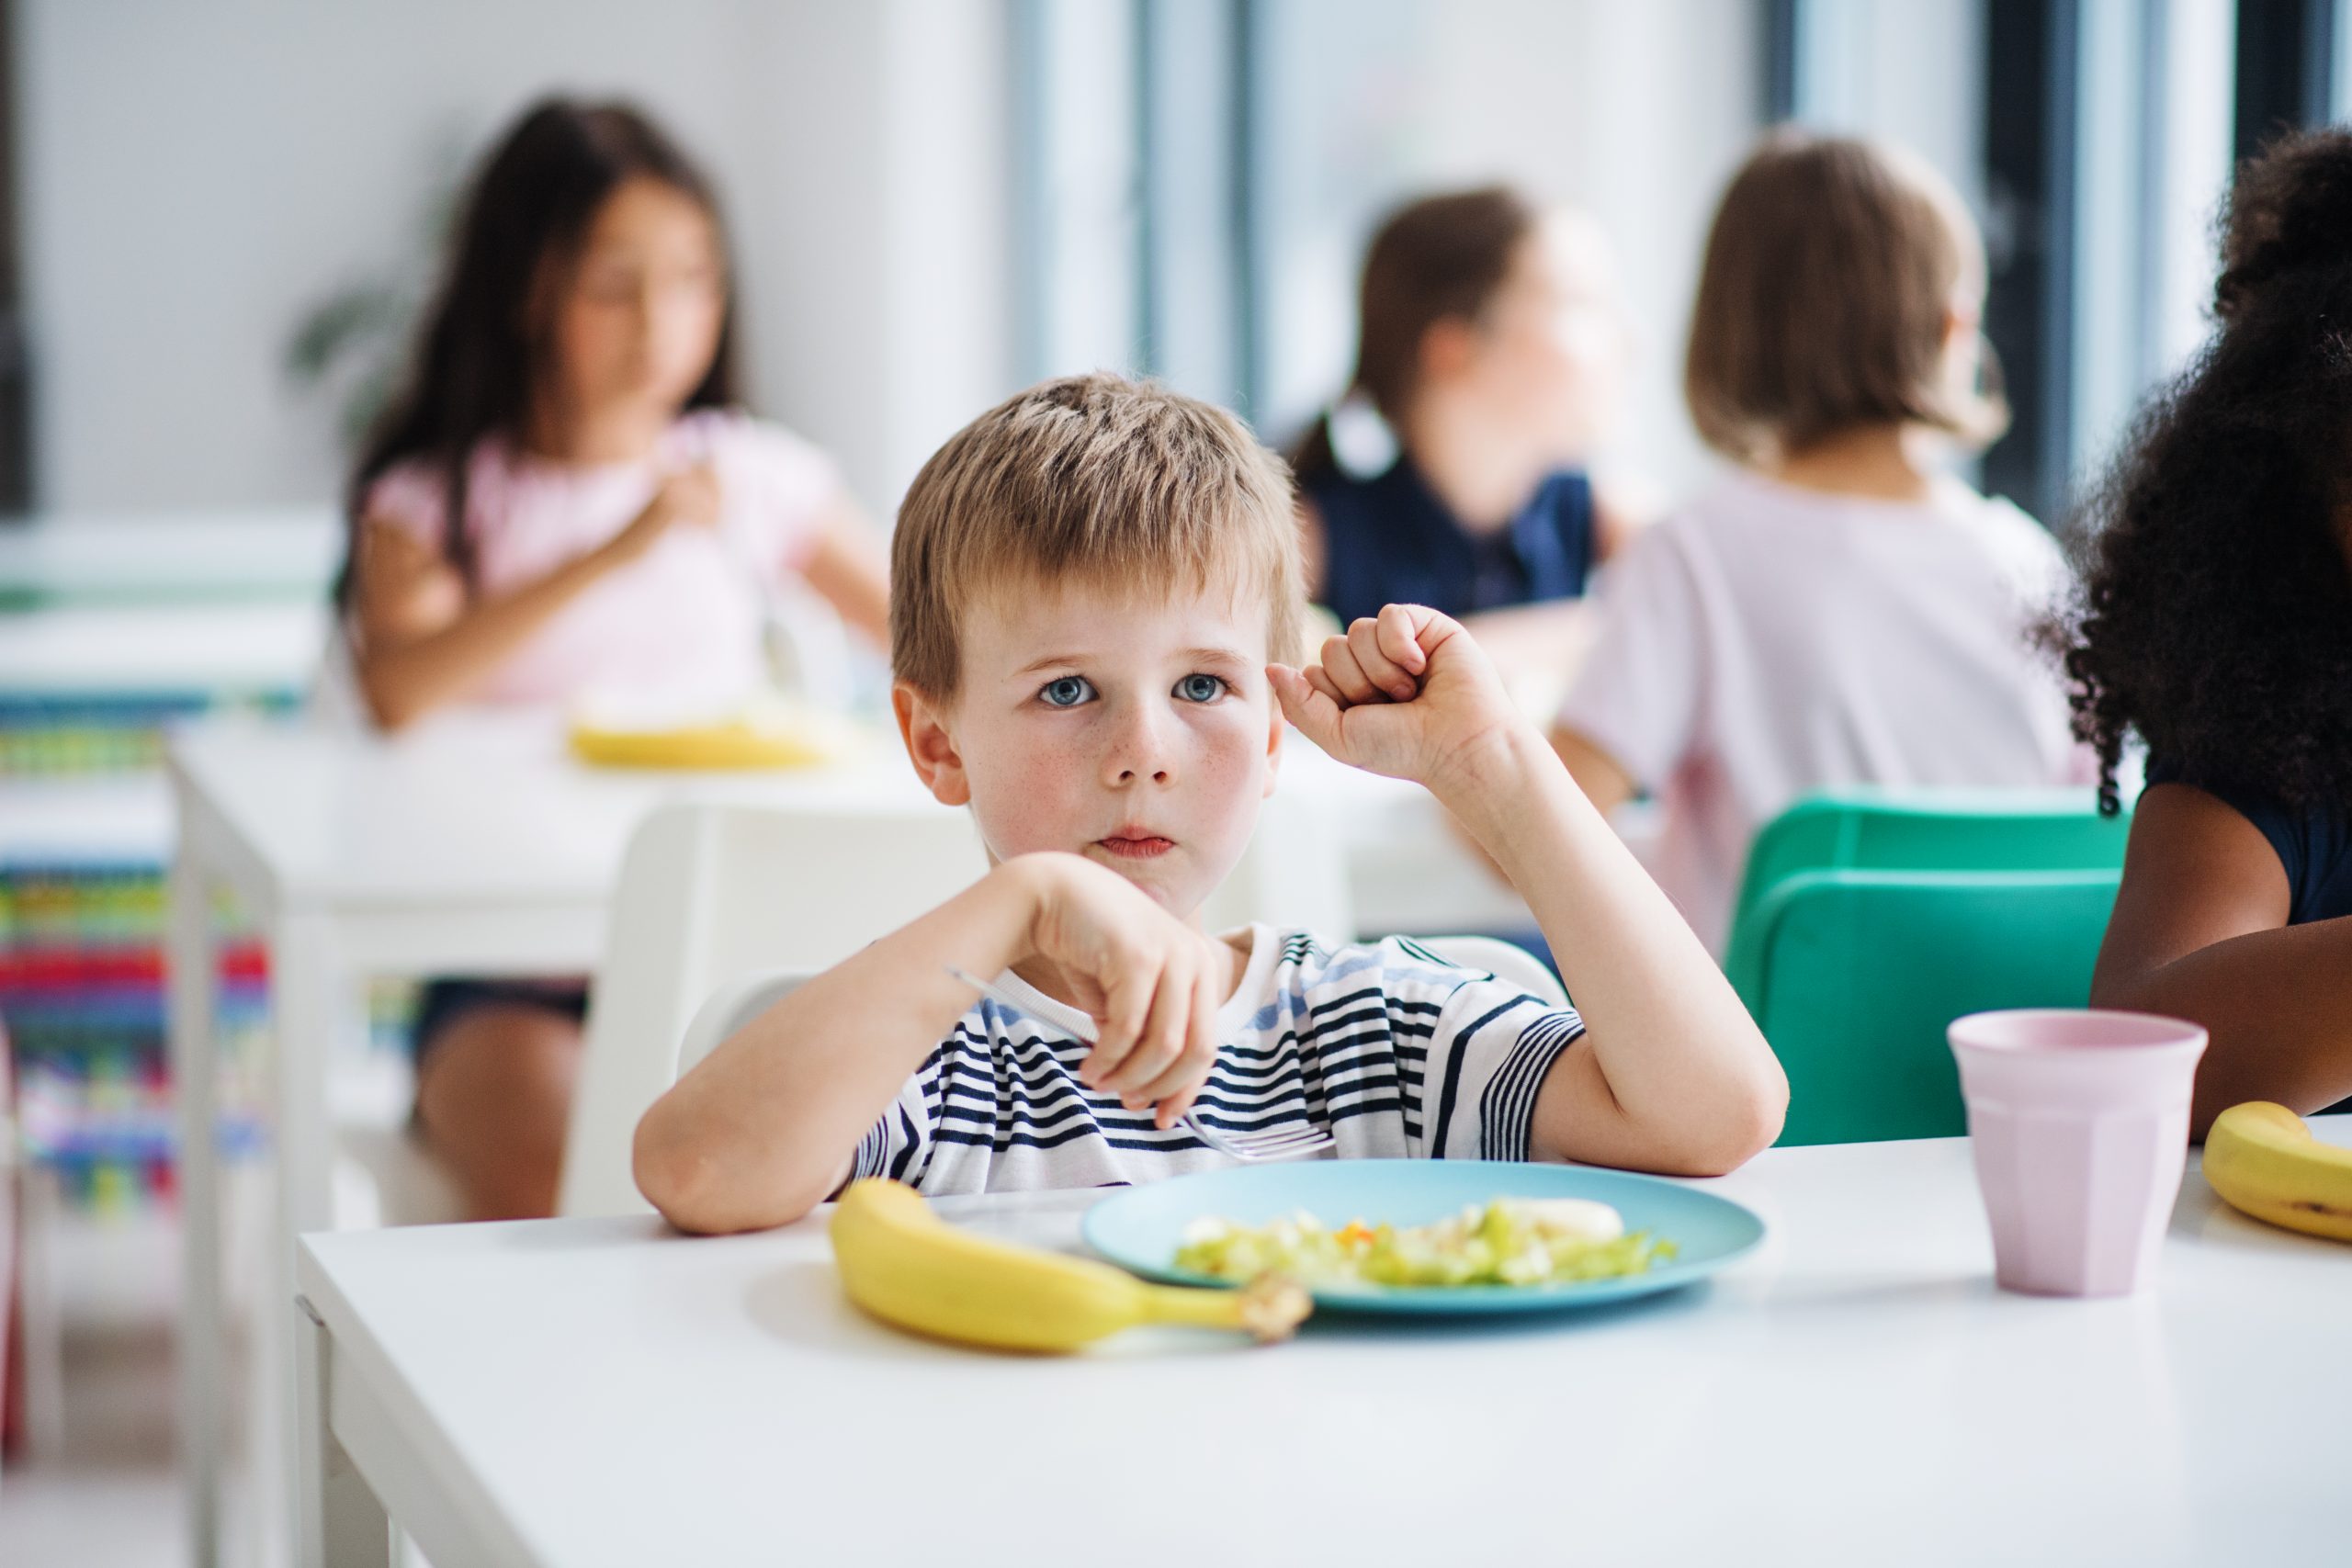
<point>2217,624</point>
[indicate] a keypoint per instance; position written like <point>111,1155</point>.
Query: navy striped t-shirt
<point>1400,1054</point>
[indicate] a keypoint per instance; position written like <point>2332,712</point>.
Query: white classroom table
<point>571,1393</point>
<point>474,845</point>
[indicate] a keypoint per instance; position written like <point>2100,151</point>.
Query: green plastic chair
<point>1853,975</point>
<point>1932,830</point>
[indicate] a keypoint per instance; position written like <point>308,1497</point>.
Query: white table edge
<point>351,1392</point>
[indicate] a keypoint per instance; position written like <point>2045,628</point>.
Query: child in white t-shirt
<point>1839,612</point>
<point>1095,588</point>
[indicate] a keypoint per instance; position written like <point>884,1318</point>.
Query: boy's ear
<point>923,725</point>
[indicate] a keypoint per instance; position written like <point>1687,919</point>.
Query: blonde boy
<point>1091,585</point>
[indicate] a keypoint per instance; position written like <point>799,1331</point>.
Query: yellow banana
<point>2264,1161</point>
<point>900,1262</point>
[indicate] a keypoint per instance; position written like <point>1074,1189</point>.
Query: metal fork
<point>1250,1149</point>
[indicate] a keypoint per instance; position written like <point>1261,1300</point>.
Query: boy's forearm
<point>757,1135</point>
<point>1693,1081</point>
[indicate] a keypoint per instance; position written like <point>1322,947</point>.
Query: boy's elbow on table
<point>675,1179</point>
<point>681,1179</point>
<point>1750,1123</point>
<point>702,1194</point>
<point>1737,1124</point>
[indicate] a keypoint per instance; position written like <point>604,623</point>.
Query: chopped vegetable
<point>1510,1241</point>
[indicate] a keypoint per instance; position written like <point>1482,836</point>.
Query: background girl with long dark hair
<point>567,499</point>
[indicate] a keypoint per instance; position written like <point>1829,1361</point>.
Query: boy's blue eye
<point>1066,693</point>
<point>1200,688</point>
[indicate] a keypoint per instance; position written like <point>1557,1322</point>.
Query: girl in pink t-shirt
<point>1839,612</point>
<point>566,500</point>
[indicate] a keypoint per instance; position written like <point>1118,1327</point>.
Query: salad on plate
<point>1506,1241</point>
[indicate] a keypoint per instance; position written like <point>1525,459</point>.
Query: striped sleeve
<point>1488,1056</point>
<point>899,1144</point>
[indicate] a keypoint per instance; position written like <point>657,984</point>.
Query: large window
<point>1198,174</point>
<point>2287,68</point>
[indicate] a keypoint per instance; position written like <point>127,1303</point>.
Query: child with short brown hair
<point>1093,587</point>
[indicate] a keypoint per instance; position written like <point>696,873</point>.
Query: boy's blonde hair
<point>1829,274</point>
<point>1119,484</point>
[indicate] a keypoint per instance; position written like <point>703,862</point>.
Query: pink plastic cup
<point>2080,1124</point>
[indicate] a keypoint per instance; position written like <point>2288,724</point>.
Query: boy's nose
<point>1140,751</point>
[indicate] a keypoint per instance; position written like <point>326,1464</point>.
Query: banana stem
<point>1270,1308</point>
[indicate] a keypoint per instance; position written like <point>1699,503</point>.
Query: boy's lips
<point>1134,843</point>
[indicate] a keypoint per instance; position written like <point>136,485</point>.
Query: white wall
<point>197,172</point>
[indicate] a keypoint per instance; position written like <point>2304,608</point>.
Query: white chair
<point>711,891</point>
<point>731,1006</point>
<point>385,1176</point>
<point>741,903</point>
<point>1292,875</point>
<point>1503,960</point>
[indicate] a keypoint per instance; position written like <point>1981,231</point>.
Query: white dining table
<point>475,844</point>
<point>571,1393</point>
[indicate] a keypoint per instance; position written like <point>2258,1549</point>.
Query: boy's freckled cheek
<point>1032,796</point>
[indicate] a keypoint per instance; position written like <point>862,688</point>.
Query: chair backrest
<point>731,1006</point>
<point>1927,830</point>
<point>1858,972</point>
<point>708,892</point>
<point>1501,959</point>
<point>717,898</point>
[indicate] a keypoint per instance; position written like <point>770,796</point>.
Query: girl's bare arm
<point>848,569</point>
<point>2200,932</point>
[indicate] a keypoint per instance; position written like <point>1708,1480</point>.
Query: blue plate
<point>1140,1229</point>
